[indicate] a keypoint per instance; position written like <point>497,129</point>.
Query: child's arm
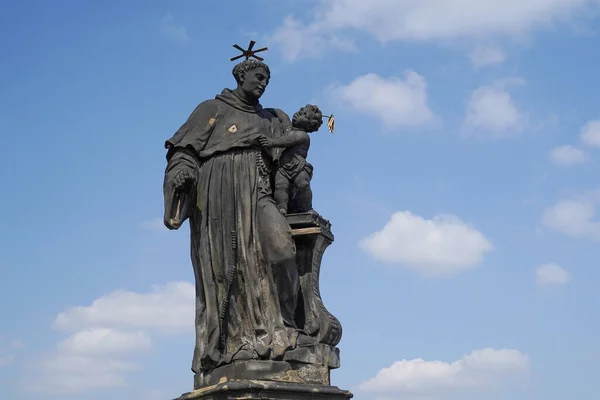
<point>294,138</point>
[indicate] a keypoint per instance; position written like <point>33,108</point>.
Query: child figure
<point>293,167</point>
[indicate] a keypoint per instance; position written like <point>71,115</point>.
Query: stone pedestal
<point>303,373</point>
<point>310,365</point>
<point>264,390</point>
<point>312,235</point>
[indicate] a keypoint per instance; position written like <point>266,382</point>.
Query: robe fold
<point>242,249</point>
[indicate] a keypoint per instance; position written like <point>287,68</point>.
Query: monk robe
<point>242,249</point>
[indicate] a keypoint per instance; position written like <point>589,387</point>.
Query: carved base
<point>263,390</point>
<point>273,371</point>
<point>306,365</point>
<point>319,354</point>
<point>312,235</point>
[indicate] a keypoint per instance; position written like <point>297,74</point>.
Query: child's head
<point>309,118</point>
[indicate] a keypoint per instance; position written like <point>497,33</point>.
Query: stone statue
<point>255,318</point>
<point>293,171</point>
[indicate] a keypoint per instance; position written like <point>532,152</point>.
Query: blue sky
<point>462,183</point>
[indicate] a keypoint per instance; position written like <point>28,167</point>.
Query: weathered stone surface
<point>305,364</point>
<point>310,365</point>
<point>274,371</point>
<point>219,178</point>
<point>319,354</point>
<point>312,235</point>
<point>262,330</point>
<point>263,390</point>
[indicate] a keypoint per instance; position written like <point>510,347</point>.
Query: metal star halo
<point>248,52</point>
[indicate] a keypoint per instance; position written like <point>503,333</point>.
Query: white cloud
<point>105,341</point>
<point>477,371</point>
<point>552,274</point>
<point>299,41</point>
<point>590,134</point>
<point>168,308</point>
<point>395,101</point>
<point>70,374</point>
<point>568,155</point>
<point>574,217</point>
<point>173,30</point>
<point>105,332</point>
<point>484,56</point>
<point>426,20</point>
<point>492,109</point>
<point>440,246</point>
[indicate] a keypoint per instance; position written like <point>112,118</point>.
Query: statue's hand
<point>182,180</point>
<point>264,141</point>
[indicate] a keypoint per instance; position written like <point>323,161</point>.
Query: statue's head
<point>309,118</point>
<point>252,76</point>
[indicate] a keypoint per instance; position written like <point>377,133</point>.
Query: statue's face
<point>307,119</point>
<point>255,82</point>
<point>304,118</point>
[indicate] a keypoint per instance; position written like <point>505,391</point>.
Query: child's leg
<point>302,182</point>
<point>282,192</point>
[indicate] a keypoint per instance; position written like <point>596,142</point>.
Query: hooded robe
<point>242,249</point>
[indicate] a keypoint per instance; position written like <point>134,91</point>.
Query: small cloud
<point>104,341</point>
<point>173,30</point>
<point>297,40</point>
<point>552,274</point>
<point>441,246</point>
<point>484,56</point>
<point>72,374</point>
<point>493,110</point>
<point>394,101</point>
<point>481,370</point>
<point>590,134</point>
<point>575,217</point>
<point>168,308</point>
<point>565,156</point>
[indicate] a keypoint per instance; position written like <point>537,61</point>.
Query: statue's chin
<point>255,95</point>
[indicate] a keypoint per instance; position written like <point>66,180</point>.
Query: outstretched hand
<point>264,141</point>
